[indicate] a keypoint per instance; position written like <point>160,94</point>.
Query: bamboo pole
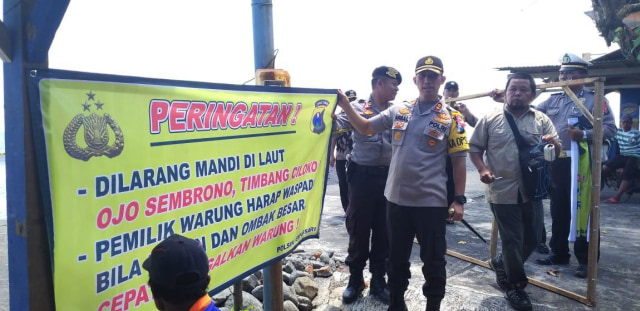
<point>594,213</point>
<point>541,284</point>
<point>579,104</point>
<point>539,86</point>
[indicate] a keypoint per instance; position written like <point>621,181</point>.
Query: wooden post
<point>594,213</point>
<point>237,295</point>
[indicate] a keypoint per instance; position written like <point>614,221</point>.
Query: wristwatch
<point>460,199</point>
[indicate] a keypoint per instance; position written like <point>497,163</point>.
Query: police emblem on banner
<point>96,133</point>
<point>317,122</point>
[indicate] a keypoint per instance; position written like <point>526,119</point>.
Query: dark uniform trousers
<point>518,225</point>
<point>561,215</point>
<point>427,225</point>
<point>341,171</point>
<point>366,217</point>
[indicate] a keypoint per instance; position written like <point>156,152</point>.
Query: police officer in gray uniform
<point>559,107</point>
<point>425,131</point>
<point>366,175</point>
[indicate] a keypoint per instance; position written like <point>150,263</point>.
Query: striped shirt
<point>629,142</point>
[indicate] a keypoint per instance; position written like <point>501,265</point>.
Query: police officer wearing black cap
<point>179,275</point>
<point>451,90</point>
<point>367,174</point>
<point>424,132</point>
<point>560,107</point>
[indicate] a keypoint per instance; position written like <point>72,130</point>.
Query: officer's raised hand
<point>343,101</point>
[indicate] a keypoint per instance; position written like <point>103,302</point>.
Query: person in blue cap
<point>560,108</point>
<point>179,275</point>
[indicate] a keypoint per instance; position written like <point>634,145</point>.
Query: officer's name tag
<point>436,129</point>
<point>401,121</point>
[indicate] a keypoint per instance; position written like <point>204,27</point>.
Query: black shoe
<point>581,271</point>
<point>543,249</point>
<point>501,275</point>
<point>353,290</point>
<point>552,260</point>
<point>519,299</point>
<point>433,304</point>
<point>397,302</point>
<point>378,288</point>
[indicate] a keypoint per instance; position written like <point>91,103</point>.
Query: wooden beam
<point>541,284</point>
<point>578,104</point>
<point>539,87</point>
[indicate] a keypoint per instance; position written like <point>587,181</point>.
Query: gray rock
<point>289,267</point>
<point>323,272</point>
<point>304,303</point>
<point>220,298</point>
<point>328,308</point>
<point>286,277</point>
<point>258,292</point>
<point>305,286</point>
<point>250,282</point>
<point>290,294</point>
<point>248,302</point>
<point>298,263</point>
<point>325,258</point>
<point>289,306</point>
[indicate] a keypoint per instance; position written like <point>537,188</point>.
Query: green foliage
<point>636,42</point>
<point>617,34</point>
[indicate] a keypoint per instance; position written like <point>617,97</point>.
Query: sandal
<point>612,200</point>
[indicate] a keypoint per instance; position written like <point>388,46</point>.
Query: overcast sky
<point>324,44</point>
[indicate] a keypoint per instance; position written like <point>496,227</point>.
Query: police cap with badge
<point>571,61</point>
<point>351,95</point>
<point>387,72</point>
<point>451,85</point>
<point>430,63</point>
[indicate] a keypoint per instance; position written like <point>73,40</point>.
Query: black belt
<point>370,169</point>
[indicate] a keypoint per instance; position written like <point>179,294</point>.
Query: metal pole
<point>14,110</point>
<point>263,59</point>
<point>262,34</point>
<point>31,27</point>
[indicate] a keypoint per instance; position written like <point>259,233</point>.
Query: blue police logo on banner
<point>317,122</point>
